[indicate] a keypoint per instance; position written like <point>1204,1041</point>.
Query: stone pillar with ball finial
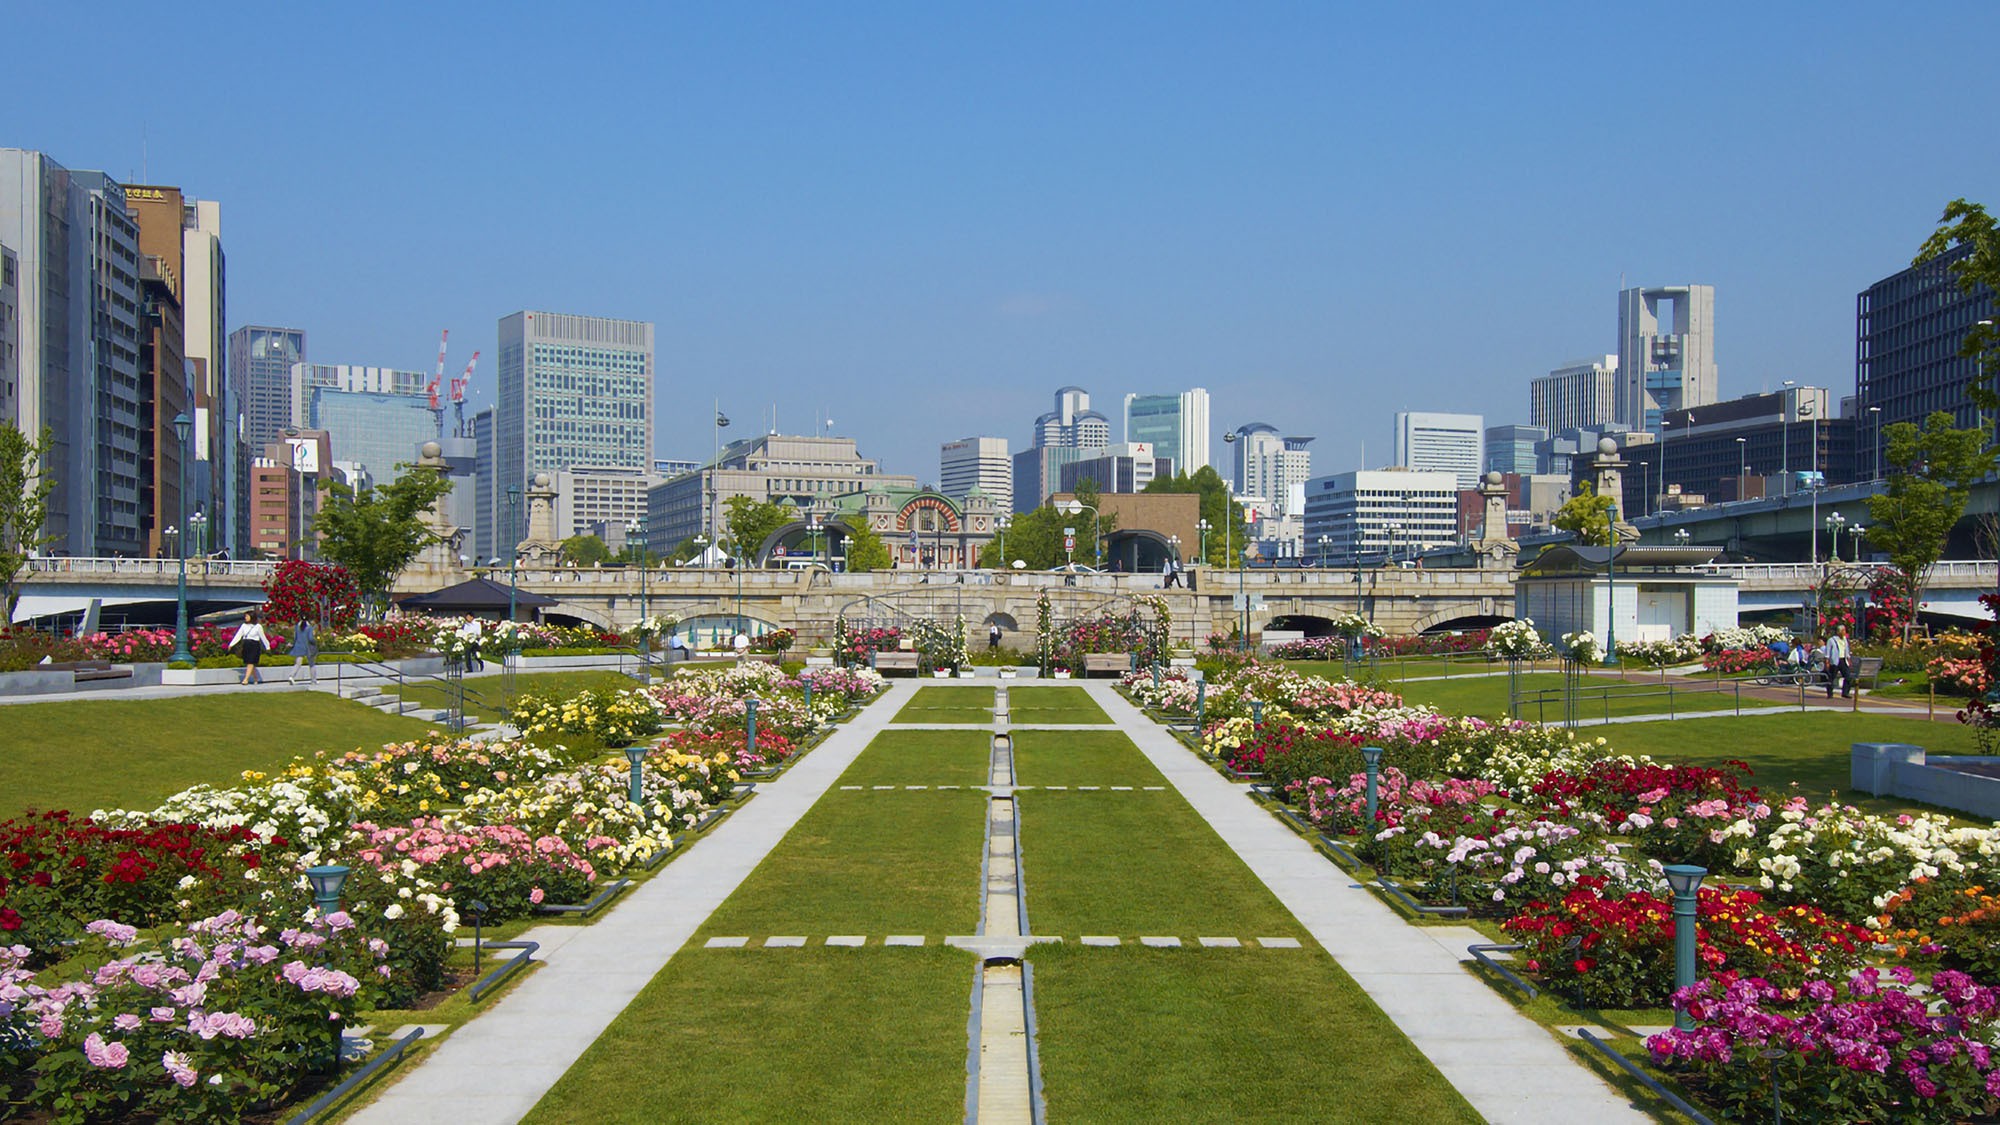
<point>543,545</point>
<point>1609,469</point>
<point>439,559</point>
<point>1494,549</point>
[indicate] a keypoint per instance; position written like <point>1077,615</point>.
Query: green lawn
<point>1393,671</point>
<point>893,862</point>
<point>1134,864</point>
<point>136,753</point>
<point>948,705</point>
<point>1084,757</point>
<point>923,757</point>
<point>1042,705</point>
<point>1146,1035</point>
<point>814,1034</point>
<point>484,699</point>
<point>1638,694</point>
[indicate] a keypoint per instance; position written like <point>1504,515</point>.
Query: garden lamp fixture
<point>1684,880</point>
<point>636,755</point>
<point>1202,526</point>
<point>1256,712</point>
<point>1371,759</point>
<point>750,724</point>
<point>327,881</point>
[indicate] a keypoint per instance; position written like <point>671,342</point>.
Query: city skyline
<point>1011,213</point>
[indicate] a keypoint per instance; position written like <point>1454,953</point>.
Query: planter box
<point>186,676</point>
<point>941,675</point>
<point>1008,673</point>
<point>1062,674</point>
<point>966,674</point>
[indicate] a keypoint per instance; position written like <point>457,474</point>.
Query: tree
<point>1036,537</point>
<point>751,521</point>
<point>1587,516</point>
<point>585,550</point>
<point>24,505</point>
<point>377,532</point>
<point>1217,507</point>
<point>865,549</point>
<point>1931,474</point>
<point>1968,224</point>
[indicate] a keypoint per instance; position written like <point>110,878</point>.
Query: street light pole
<point>1243,630</point>
<point>638,528</point>
<point>514,551</point>
<point>1743,466</point>
<point>1875,423</point>
<point>1611,587</point>
<point>182,426</point>
<point>1785,441</point>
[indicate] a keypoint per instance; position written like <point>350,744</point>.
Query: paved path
<point>496,1067</point>
<point>1509,1067</point>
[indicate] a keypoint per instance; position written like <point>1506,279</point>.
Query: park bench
<point>1867,672</point>
<point>87,670</point>
<point>886,662</point>
<point>1107,663</point>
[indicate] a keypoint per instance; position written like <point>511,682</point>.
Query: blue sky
<point>923,218</point>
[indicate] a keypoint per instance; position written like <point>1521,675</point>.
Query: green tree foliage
<point>750,521</point>
<point>1217,508</point>
<point>1036,537</point>
<point>1587,516</point>
<point>865,549</point>
<point>1968,224</point>
<point>24,505</point>
<point>376,533</point>
<point>1931,474</point>
<point>585,550</point>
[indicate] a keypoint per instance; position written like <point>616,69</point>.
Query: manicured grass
<point>923,757</point>
<point>813,1034</point>
<point>1638,694</point>
<point>1041,705</point>
<point>136,753</point>
<point>948,705</point>
<point>1392,671</point>
<point>1809,748</point>
<point>890,862</point>
<point>1134,864</point>
<point>484,698</point>
<point>1146,1035</point>
<point>1084,757</point>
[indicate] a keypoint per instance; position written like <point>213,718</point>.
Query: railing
<point>1955,571</point>
<point>167,569</point>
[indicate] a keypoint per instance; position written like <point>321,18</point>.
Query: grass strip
<point>1067,704</point>
<point>484,699</point>
<point>135,753</point>
<point>1134,864</point>
<point>891,862</point>
<point>1084,757</point>
<point>1145,1035</point>
<point>811,1035</point>
<point>1597,697</point>
<point>948,705</point>
<point>923,757</point>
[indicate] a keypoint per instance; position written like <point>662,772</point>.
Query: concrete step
<point>371,699</point>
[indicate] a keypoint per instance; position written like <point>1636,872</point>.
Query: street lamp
<point>1001,527</point>
<point>1243,634</point>
<point>1202,526</point>
<point>1072,507</point>
<point>637,528</point>
<point>701,555</point>
<point>1875,423</point>
<point>1681,537</point>
<point>1323,541</point>
<point>514,552</point>
<point>1611,587</point>
<point>636,755</point>
<point>1743,465</point>
<point>327,881</point>
<point>183,425</point>
<point>1785,440</point>
<point>1371,757</point>
<point>1685,881</point>
<point>1857,531</point>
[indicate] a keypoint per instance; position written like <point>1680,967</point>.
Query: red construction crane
<point>458,387</point>
<point>437,409</point>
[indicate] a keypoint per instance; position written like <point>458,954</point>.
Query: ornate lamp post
<point>1243,596</point>
<point>1001,527</point>
<point>1685,880</point>
<point>1323,541</point>
<point>1611,587</point>
<point>1202,526</point>
<point>638,528</point>
<point>700,553</point>
<point>1857,531</point>
<point>513,552</point>
<point>183,425</point>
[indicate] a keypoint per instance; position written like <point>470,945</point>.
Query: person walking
<point>249,644</point>
<point>305,651</point>
<point>993,637</point>
<point>1839,653</point>
<point>742,646</point>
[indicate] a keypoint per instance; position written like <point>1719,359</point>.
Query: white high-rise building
<point>1580,395</point>
<point>1380,515</point>
<point>1447,443</point>
<point>1176,426</point>
<point>977,462</point>
<point>1666,352</point>
<point>1271,465</point>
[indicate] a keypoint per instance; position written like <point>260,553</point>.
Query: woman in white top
<point>250,643</point>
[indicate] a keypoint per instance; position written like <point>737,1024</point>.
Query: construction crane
<point>458,387</point>
<point>437,409</point>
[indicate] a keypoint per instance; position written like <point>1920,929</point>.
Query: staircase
<point>389,703</point>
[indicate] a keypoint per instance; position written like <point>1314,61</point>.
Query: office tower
<point>1176,426</point>
<point>1511,449</point>
<point>261,358</point>
<point>1124,468</point>
<point>574,390</point>
<point>165,392</point>
<point>1380,516</point>
<point>1271,465</point>
<point>78,363</point>
<point>1069,432</point>
<point>485,545</point>
<point>588,497</point>
<point>1451,443</point>
<point>222,457</point>
<point>377,432</point>
<point>1666,352</point>
<point>1581,394</point>
<point>981,463</point>
<point>1909,327</point>
<point>10,332</point>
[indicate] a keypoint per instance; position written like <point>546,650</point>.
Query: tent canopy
<point>472,596</point>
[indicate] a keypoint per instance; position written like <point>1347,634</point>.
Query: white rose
<point>394,912</point>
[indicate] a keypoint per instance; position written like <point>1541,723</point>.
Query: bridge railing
<point>252,569</point>
<point>1953,571</point>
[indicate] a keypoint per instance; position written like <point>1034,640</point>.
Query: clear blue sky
<point>924,218</point>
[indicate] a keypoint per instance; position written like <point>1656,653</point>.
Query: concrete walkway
<point>1509,1067</point>
<point>495,1068</point>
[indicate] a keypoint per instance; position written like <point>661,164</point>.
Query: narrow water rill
<point>1001,1084</point>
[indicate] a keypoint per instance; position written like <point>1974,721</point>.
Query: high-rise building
<point>1068,433</point>
<point>1449,443</point>
<point>981,463</point>
<point>1176,426</point>
<point>165,392</point>
<point>1666,352</point>
<point>1511,449</point>
<point>222,457</point>
<point>574,390</point>
<point>79,305</point>
<point>1909,327</point>
<point>1380,515</point>
<point>375,431</point>
<point>1271,465</point>
<point>261,359</point>
<point>10,332</point>
<point>1581,394</point>
<point>485,543</point>
<point>1124,468</point>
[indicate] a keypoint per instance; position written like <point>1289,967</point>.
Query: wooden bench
<point>886,662</point>
<point>1107,663</point>
<point>84,671</point>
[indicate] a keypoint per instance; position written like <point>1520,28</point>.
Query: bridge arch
<point>580,615</point>
<point>800,532</point>
<point>1459,617</point>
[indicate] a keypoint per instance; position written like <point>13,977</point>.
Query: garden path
<point>1505,1064</point>
<point>495,1068</point>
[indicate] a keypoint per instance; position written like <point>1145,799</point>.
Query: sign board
<point>305,455</point>
<point>1069,542</point>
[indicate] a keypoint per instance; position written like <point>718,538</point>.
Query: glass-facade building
<point>1176,426</point>
<point>1908,329</point>
<point>375,431</point>
<point>262,358</point>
